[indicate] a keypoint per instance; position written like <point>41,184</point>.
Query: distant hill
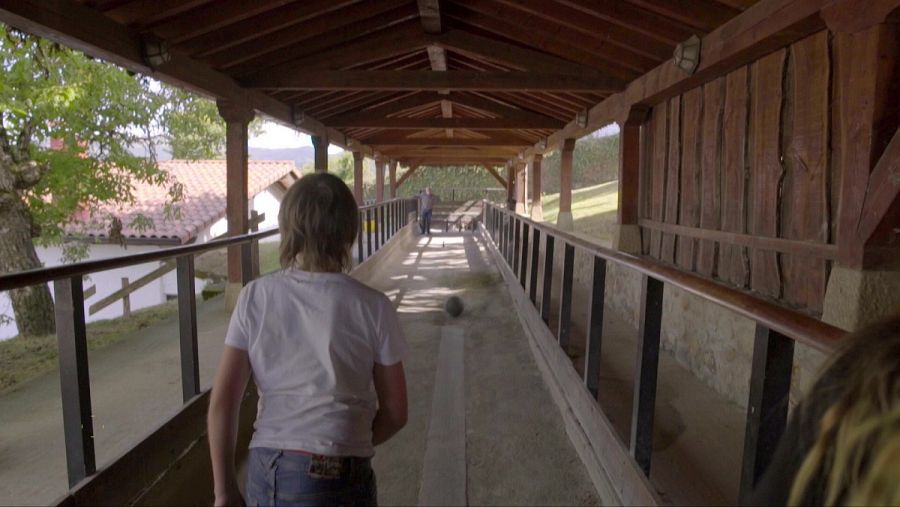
<point>300,155</point>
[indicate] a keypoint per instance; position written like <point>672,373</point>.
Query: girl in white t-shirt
<point>325,353</point>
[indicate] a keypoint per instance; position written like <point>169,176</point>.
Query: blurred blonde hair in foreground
<point>855,457</point>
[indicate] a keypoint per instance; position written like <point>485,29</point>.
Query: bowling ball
<point>453,306</point>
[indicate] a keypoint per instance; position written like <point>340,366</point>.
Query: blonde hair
<point>318,221</point>
<point>855,458</point>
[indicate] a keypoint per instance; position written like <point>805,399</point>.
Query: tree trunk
<point>32,306</point>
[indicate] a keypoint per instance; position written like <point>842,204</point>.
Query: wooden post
<point>392,177</point>
<point>237,117</point>
<point>520,187</point>
<point>320,150</point>
<point>379,179</point>
<point>254,246</point>
<point>627,234</point>
<point>537,209</point>
<point>126,299</point>
<point>358,159</point>
<point>564,220</point>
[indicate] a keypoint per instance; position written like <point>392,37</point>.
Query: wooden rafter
<point>447,123</point>
<point>411,80</point>
<point>883,191</point>
<point>493,172</point>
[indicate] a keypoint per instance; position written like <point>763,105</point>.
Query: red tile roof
<point>201,205</point>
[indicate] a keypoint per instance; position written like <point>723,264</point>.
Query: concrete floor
<point>516,451</point>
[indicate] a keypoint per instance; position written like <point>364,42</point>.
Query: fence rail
<point>777,329</point>
<point>389,216</point>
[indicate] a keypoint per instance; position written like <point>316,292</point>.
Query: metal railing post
<point>767,408</point>
<point>359,237</point>
<point>74,378</point>
<point>523,263</point>
<point>514,261</point>
<point>565,297</point>
<point>187,327</point>
<point>595,327</point>
<point>646,369</point>
<point>547,286</point>
<point>382,224</point>
<point>535,259</point>
<point>368,233</point>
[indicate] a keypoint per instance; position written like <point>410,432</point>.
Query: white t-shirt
<point>313,340</point>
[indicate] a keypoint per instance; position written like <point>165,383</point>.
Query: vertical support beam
<point>767,409</point>
<point>565,298</point>
<point>537,208</point>
<point>548,280</point>
<point>379,180</point>
<point>520,187</point>
<point>358,159</point>
<point>126,299</point>
<point>644,404</point>
<point>567,151</point>
<point>392,177</point>
<point>627,235</point>
<point>866,64</point>
<point>510,187</point>
<point>595,327</point>
<point>535,257</point>
<point>187,327</point>
<point>320,153</point>
<point>74,378</point>
<point>237,210</point>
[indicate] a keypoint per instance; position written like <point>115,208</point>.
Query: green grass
<point>25,357</point>
<point>593,209</point>
<point>214,264</point>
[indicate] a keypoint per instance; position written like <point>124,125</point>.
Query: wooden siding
<point>740,175</point>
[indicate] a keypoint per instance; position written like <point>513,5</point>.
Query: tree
<point>69,126</point>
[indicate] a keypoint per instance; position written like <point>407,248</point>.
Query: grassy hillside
<point>593,209</point>
<point>465,182</point>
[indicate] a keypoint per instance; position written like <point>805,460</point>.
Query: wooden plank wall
<point>748,154</point>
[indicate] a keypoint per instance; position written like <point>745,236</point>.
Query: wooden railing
<point>518,240</point>
<point>389,217</point>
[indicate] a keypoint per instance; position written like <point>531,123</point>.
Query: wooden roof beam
<point>86,30</point>
<point>756,32</point>
<point>447,123</point>
<point>394,138</point>
<point>303,79</point>
<point>495,51</point>
<point>430,12</point>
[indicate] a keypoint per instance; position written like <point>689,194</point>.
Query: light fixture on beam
<point>298,117</point>
<point>154,51</point>
<point>542,144</point>
<point>687,55</point>
<point>581,119</point>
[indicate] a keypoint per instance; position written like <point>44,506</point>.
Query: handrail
<point>517,240</point>
<point>42,275</point>
<point>800,327</point>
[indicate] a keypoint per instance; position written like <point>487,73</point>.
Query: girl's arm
<point>390,385</point>
<point>222,422</point>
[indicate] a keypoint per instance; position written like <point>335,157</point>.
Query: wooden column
<point>537,209</point>
<point>320,149</point>
<point>392,179</point>
<point>237,209</point>
<point>566,151</point>
<point>379,179</point>
<point>510,186</point>
<point>865,63</point>
<point>358,159</point>
<point>627,234</point>
<point>520,187</point>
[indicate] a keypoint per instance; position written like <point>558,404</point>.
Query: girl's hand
<point>230,497</point>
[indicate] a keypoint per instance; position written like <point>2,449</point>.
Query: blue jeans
<point>426,222</point>
<point>276,477</point>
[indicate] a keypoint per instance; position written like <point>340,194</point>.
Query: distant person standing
<point>427,201</point>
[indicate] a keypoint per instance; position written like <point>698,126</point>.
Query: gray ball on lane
<point>453,306</point>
